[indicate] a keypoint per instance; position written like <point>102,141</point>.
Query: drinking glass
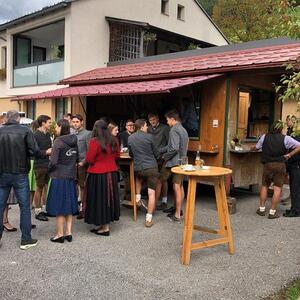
<point>184,161</point>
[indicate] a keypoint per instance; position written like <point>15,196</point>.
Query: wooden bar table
<point>216,176</point>
<point>125,159</point>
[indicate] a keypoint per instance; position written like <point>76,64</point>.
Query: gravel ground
<point>140,263</point>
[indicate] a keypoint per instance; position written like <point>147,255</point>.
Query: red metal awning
<point>126,88</point>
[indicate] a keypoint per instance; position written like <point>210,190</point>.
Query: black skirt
<point>102,199</point>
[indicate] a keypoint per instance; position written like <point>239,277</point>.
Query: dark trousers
<point>294,176</point>
<point>20,184</point>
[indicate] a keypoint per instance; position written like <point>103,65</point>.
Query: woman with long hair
<point>113,129</point>
<point>103,205</point>
<point>62,196</point>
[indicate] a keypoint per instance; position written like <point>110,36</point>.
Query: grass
<point>290,292</point>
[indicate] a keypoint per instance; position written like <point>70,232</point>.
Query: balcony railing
<point>39,73</point>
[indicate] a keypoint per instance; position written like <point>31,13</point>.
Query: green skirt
<point>31,177</point>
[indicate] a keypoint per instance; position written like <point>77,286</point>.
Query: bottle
<point>198,159</point>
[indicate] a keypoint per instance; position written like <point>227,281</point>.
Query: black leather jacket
<point>17,145</point>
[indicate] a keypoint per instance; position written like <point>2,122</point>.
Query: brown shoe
<point>275,216</point>
<point>149,224</point>
<point>261,213</point>
<point>80,216</point>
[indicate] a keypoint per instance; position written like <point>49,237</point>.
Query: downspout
<point>225,148</point>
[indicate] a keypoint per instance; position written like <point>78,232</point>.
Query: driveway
<point>141,263</point>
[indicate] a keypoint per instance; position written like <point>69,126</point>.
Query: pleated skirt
<point>62,198</point>
<point>102,199</point>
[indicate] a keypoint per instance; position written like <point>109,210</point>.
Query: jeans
<point>20,184</point>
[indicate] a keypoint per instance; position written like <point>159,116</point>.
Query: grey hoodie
<point>64,157</point>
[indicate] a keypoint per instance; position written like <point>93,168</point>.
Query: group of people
<point>82,164</point>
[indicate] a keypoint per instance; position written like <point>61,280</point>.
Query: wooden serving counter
<point>246,167</point>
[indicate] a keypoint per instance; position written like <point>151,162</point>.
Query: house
<point>221,92</point>
<point>40,49</point>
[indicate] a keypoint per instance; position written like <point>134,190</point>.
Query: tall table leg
<point>220,208</point>
<point>226,216</point>
<point>189,221</point>
<point>132,190</point>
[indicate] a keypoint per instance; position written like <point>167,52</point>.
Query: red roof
<point>272,56</point>
<point>128,88</point>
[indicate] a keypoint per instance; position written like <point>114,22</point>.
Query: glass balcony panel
<point>50,73</point>
<point>25,76</point>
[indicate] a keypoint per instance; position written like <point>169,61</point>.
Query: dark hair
<point>42,119</point>
<point>65,126</point>
<point>77,116</point>
<point>276,127</point>
<point>152,115</point>
<point>68,115</point>
<point>139,123</point>
<point>34,126</point>
<point>172,114</point>
<point>129,120</point>
<point>103,136</point>
<point>111,126</point>
<point>104,119</point>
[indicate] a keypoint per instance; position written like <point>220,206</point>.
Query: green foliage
<point>208,5</point>
<point>293,293</point>
<point>248,20</point>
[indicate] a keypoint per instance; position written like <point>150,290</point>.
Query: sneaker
<point>41,217</point>
<point>149,224</point>
<point>174,219</point>
<point>261,213</point>
<point>275,216</point>
<point>169,210</point>
<point>28,244</point>
<point>162,206</point>
<point>173,213</point>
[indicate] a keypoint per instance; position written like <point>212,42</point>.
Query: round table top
<point>205,171</point>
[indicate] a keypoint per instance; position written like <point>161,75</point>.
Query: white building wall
<point>87,32</point>
<point>90,30</point>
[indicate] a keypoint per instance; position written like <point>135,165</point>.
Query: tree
<point>208,5</point>
<point>248,20</point>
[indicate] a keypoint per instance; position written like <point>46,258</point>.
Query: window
<point>125,42</point>
<point>39,54</point>
<point>180,12</point>
<point>165,7</point>
<point>255,112</point>
<point>22,51</point>
<point>31,109</point>
<point>3,58</point>
<point>61,108</point>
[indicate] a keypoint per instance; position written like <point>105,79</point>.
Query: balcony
<point>38,55</point>
<point>40,73</point>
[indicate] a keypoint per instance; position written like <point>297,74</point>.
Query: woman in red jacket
<point>103,203</point>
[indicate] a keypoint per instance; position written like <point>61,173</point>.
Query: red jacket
<point>99,161</point>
